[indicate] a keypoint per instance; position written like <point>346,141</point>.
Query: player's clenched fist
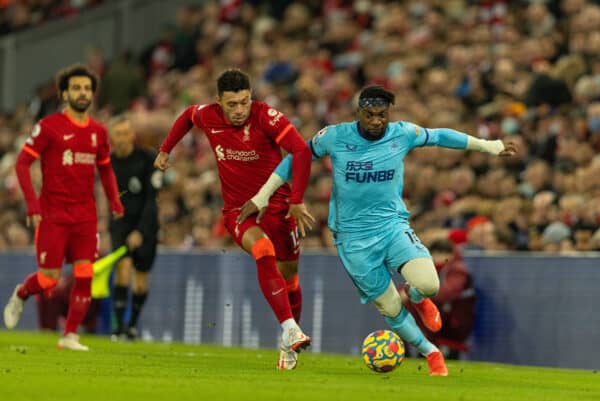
<point>162,161</point>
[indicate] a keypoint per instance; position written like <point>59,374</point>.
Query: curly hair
<point>76,70</point>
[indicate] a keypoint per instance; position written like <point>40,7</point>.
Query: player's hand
<point>510,149</point>
<point>302,216</point>
<point>134,240</point>
<point>162,161</point>
<point>33,220</point>
<point>117,215</point>
<point>248,209</point>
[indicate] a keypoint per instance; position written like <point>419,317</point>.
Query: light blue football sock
<point>415,296</point>
<point>405,326</point>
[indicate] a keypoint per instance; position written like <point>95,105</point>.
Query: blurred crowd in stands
<point>525,71</point>
<point>17,15</point>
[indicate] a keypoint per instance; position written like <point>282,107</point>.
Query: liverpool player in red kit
<point>246,137</point>
<point>71,145</point>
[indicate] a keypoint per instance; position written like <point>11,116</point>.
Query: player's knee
<point>389,303</point>
<point>429,288</point>
<point>262,248</point>
<point>46,282</point>
<point>83,270</point>
<point>421,274</point>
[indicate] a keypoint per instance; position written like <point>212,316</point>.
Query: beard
<point>80,105</point>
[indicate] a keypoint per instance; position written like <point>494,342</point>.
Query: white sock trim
<point>288,324</point>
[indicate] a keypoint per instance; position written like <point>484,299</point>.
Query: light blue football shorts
<point>368,260</point>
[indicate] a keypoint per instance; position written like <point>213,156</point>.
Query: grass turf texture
<point>31,368</point>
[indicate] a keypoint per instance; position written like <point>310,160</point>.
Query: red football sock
<point>295,296</point>
<point>33,284</point>
<point>80,298</point>
<point>270,280</point>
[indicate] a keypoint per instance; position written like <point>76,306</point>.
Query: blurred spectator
<point>455,300</point>
<point>17,15</point>
<point>528,72</point>
<point>122,83</point>
<point>556,238</point>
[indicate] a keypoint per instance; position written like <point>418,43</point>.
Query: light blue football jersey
<point>366,194</point>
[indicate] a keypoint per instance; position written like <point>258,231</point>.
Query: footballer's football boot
<point>132,333</point>
<point>287,360</point>
<point>294,339</point>
<point>428,312</point>
<point>437,365</point>
<point>71,341</point>
<point>13,309</point>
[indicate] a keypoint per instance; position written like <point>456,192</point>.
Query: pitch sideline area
<point>32,368</point>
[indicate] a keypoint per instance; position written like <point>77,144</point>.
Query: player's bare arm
<point>162,161</point>
<point>298,211</point>
<point>248,209</point>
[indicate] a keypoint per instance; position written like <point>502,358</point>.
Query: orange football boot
<point>437,365</point>
<point>429,314</point>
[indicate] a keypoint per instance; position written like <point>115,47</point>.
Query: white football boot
<point>13,309</point>
<point>287,360</point>
<point>294,339</point>
<point>71,342</point>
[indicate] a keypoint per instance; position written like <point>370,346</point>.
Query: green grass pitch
<point>31,368</point>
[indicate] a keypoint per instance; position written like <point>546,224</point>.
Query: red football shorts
<point>281,231</point>
<point>56,242</point>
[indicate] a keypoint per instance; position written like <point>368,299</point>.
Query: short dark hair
<point>76,70</point>
<point>232,80</point>
<point>376,91</point>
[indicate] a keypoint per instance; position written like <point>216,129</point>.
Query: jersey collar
<point>368,138</point>
<point>75,122</point>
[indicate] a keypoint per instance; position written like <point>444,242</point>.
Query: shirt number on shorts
<point>295,237</point>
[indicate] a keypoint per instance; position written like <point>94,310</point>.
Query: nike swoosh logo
<point>277,292</point>
<point>67,137</point>
<point>216,131</point>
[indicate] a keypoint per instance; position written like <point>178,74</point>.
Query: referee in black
<point>138,183</point>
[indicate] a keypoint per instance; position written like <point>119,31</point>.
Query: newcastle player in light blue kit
<point>368,217</point>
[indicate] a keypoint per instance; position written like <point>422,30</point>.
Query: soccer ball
<point>383,351</point>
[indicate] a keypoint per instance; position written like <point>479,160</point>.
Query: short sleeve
<point>274,123</point>
<point>322,143</point>
<point>196,114</point>
<point>418,136</point>
<point>39,140</point>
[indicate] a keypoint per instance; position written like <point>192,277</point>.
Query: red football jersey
<point>246,155</point>
<point>69,154</point>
